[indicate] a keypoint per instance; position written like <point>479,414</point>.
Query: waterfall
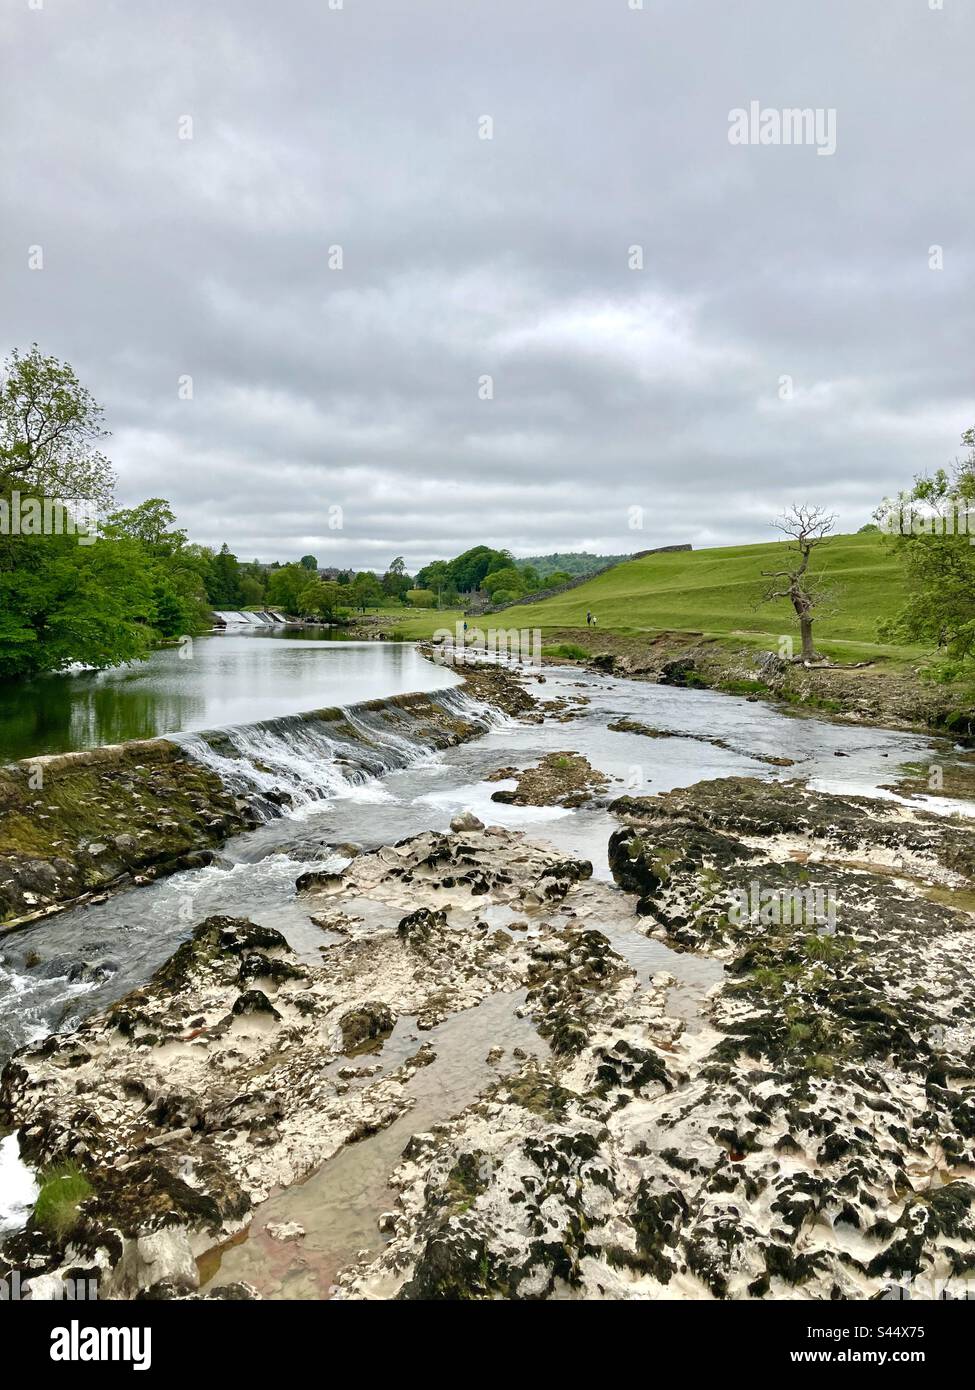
<point>239,618</point>
<point>334,753</point>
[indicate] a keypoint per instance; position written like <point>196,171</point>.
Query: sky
<point>366,278</point>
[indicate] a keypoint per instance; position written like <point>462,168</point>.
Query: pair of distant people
<point>590,619</point>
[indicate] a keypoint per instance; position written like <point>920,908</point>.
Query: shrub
<point>62,1190</point>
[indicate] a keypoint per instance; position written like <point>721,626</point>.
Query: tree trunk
<point>809,652</point>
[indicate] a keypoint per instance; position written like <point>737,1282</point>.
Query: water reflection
<point>232,678</point>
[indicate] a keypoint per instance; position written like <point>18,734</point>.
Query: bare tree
<point>808,527</point>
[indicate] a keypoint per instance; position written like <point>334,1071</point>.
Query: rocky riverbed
<point>222,1079</point>
<point>805,1130</point>
<point>815,1139</point>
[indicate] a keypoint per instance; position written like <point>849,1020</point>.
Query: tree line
<point>63,601</point>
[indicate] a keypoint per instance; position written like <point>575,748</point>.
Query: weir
<point>311,757</point>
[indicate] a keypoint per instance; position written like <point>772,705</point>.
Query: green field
<point>717,593</point>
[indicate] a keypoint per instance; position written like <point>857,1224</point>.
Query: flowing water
<point>378,789</point>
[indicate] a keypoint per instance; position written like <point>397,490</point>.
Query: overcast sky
<point>614,388</point>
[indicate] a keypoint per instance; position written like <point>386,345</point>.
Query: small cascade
<point>232,617</point>
<point>311,758</point>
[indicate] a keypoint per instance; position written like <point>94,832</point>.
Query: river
<point>207,683</point>
<point>57,972</point>
<point>93,954</point>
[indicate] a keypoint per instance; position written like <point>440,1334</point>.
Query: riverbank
<point>873,690</point>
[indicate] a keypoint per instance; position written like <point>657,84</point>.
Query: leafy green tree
<point>50,426</point>
<point>367,592</point>
<point>285,587</point>
<point>421,598</point>
<point>309,562</point>
<point>152,523</point>
<point>61,603</point>
<point>321,599</point>
<point>251,591</point>
<point>467,571</point>
<point>176,570</point>
<point>396,581</point>
<point>435,577</point>
<point>931,528</point>
<point>223,585</point>
<point>506,581</point>
<point>334,600</point>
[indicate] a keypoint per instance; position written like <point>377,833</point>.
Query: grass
<point>412,624</point>
<point>571,651</point>
<point>62,1190</point>
<point>716,593</point>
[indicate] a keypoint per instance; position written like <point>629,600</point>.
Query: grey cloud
<point>612,388</point>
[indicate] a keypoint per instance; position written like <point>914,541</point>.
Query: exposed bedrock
<point>815,1140</point>
<point>226,1075</point>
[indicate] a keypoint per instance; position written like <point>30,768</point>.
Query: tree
<point>931,528</point>
<point>435,578</point>
<point>507,582</point>
<point>152,523</point>
<point>285,587</point>
<point>223,584</point>
<point>251,591</point>
<point>466,571</point>
<point>421,598</point>
<point>62,603</point>
<point>366,591</point>
<point>334,600</point>
<point>320,599</point>
<point>177,572</point>
<point>49,429</point>
<point>396,581</point>
<point>309,562</point>
<point>808,527</point>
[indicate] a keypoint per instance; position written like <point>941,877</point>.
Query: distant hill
<point>569,561</point>
<point>719,592</point>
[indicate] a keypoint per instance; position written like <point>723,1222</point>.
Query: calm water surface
<point>225,679</point>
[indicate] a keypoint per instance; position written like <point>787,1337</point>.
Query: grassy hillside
<point>718,592</point>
